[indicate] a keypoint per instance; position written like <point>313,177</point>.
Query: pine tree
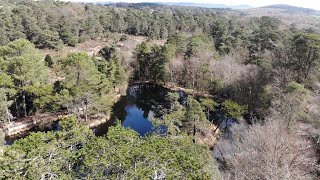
<point>82,84</point>
<point>26,67</point>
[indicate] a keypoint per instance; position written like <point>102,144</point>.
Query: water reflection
<point>136,120</point>
<point>142,103</point>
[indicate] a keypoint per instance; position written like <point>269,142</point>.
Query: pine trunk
<point>17,109</point>
<point>24,104</point>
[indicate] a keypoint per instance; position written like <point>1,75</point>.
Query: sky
<point>314,4</point>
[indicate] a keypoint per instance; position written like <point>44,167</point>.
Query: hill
<point>288,9</point>
<point>185,4</point>
<point>173,8</point>
<point>204,5</point>
<point>302,18</point>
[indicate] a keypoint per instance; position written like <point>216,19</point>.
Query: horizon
<point>312,4</point>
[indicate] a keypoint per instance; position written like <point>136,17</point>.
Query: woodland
<point>260,72</point>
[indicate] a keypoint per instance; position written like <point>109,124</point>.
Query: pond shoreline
<point>13,129</point>
<point>23,125</point>
<point>175,88</point>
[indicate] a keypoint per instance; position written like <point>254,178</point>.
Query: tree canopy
<point>74,152</point>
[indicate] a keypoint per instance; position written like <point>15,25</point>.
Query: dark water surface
<point>142,103</point>
<point>135,120</point>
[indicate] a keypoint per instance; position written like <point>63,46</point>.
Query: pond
<point>135,110</point>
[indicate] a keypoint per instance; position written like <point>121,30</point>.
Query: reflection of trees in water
<point>151,97</point>
<point>118,110</point>
<point>147,97</point>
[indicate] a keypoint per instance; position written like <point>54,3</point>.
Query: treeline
<point>234,62</point>
<point>49,24</point>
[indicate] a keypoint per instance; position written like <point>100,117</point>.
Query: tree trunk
<point>78,113</point>
<point>24,104</point>
<point>194,132</point>
<point>8,114</point>
<point>193,79</point>
<point>78,78</point>
<point>208,115</point>
<point>217,128</point>
<point>85,111</point>
<point>17,109</point>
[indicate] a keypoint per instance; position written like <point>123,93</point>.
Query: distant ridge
<point>135,5</point>
<point>244,6</point>
<point>207,5</point>
<point>293,9</point>
<point>187,4</point>
<point>204,5</point>
<point>287,9</point>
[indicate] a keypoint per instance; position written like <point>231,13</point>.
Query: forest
<point>241,99</point>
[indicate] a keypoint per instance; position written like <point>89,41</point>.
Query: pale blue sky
<point>315,4</point>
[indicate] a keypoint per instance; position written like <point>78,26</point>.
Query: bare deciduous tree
<point>269,151</point>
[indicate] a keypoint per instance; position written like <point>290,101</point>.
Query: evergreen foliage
<point>74,152</point>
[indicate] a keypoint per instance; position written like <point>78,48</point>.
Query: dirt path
<point>22,125</point>
<point>27,123</point>
<point>175,88</point>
